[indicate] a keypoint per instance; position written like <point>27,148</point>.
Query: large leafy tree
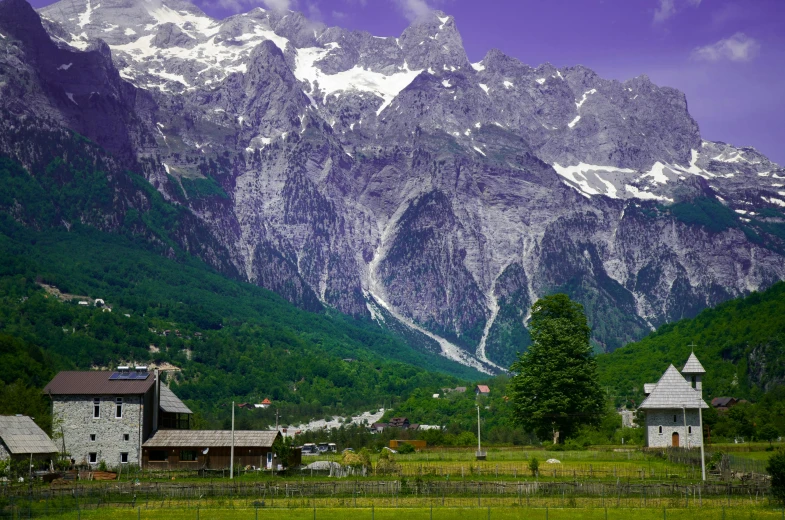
<point>556,387</point>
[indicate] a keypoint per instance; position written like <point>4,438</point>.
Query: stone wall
<point>4,453</point>
<point>665,419</point>
<point>75,414</point>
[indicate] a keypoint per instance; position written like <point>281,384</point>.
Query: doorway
<point>675,440</point>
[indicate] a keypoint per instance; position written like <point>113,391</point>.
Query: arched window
<point>660,429</point>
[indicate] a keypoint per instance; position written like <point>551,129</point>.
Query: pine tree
<point>557,387</point>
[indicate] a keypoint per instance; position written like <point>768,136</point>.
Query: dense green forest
<point>235,341</point>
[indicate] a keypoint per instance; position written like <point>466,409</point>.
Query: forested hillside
<point>741,344</point>
<point>233,340</point>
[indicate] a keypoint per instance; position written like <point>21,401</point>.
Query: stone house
<point>22,439</point>
<point>673,407</point>
<point>107,416</point>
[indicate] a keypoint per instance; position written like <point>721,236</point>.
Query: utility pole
<point>480,455</point>
<point>231,451</point>
<point>700,425</point>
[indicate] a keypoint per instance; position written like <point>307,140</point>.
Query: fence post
<point>138,513</point>
<point>664,513</point>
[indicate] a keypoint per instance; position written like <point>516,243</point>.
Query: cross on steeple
<point>692,346</point>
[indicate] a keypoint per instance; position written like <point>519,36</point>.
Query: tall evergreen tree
<point>556,387</point>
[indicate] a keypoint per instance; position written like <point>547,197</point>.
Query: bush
<point>405,448</point>
<point>776,468</point>
<point>534,466</point>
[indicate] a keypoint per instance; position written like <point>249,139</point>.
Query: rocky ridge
<point>390,178</point>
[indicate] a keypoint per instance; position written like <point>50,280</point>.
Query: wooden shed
<point>419,445</point>
<point>191,449</point>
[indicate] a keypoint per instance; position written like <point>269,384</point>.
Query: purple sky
<point>728,56</point>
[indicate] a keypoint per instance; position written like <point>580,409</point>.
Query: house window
<point>660,429</point>
<point>126,437</point>
<point>93,457</point>
<point>124,457</point>
<point>689,429</point>
<point>158,456</point>
<point>118,408</point>
<point>674,418</point>
<point>188,456</point>
<point>694,379</point>
<point>92,437</point>
<point>96,408</point>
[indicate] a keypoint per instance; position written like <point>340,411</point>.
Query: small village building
<point>398,422</point>
<point>107,416</point>
<point>378,427</point>
<point>459,389</point>
<point>264,404</point>
<point>193,449</point>
<point>723,404</point>
<point>482,390</point>
<point>21,439</point>
<point>672,407</point>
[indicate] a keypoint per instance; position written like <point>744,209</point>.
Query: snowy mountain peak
<point>359,172</point>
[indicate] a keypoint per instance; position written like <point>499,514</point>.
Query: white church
<point>673,407</point>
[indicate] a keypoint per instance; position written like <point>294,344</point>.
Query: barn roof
<point>211,439</point>
<point>170,403</point>
<point>96,382</point>
<point>693,366</point>
<point>23,437</point>
<point>673,391</point>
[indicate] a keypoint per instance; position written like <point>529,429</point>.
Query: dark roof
<point>397,422</point>
<point>170,403</point>
<point>23,437</point>
<point>96,383</point>
<point>722,401</point>
<point>211,439</point>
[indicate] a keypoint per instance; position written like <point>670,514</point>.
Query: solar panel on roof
<point>126,376</point>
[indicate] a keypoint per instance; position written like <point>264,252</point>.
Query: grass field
<point>425,513</point>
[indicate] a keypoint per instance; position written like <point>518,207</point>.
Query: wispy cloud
<point>668,8</point>
<point>738,47</point>
<point>414,9</point>
<point>278,5</point>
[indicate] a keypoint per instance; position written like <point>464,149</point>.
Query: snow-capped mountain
<point>393,179</point>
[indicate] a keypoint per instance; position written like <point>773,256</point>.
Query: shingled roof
<point>22,436</point>
<point>211,439</point>
<point>170,403</point>
<point>96,382</point>
<point>693,366</point>
<point>673,391</point>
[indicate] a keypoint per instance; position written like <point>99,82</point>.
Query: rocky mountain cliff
<point>392,179</point>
